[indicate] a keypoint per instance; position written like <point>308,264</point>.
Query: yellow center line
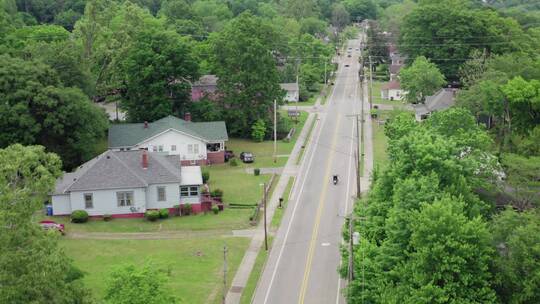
<point>318,216</point>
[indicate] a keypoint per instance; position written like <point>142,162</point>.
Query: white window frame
<point>86,205</point>
<point>160,148</point>
<point>154,148</point>
<point>184,191</point>
<point>190,149</point>
<point>124,198</point>
<point>161,194</point>
<point>193,191</point>
<point>196,149</point>
<point>173,147</point>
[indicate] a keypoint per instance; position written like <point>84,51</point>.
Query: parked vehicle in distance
<point>52,225</point>
<point>346,65</point>
<point>247,157</point>
<point>229,154</point>
<point>349,55</point>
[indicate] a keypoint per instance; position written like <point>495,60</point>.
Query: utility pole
<point>371,84</point>
<point>275,131</point>
<point>224,273</point>
<point>265,232</point>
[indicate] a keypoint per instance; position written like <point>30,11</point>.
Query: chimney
<point>146,124</point>
<point>187,116</point>
<point>145,160</point>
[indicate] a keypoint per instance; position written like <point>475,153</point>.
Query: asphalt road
<point>302,266</point>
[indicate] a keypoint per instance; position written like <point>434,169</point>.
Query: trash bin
<point>49,210</point>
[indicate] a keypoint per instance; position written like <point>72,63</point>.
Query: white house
<point>197,143</point>
<point>127,184</point>
<point>292,91</point>
<point>392,91</point>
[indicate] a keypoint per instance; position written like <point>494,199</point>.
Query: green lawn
<point>238,186</point>
<point>195,265</point>
<point>380,156</point>
<point>264,151</point>
<point>308,137</point>
<point>226,220</point>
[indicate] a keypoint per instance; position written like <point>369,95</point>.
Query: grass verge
<point>308,138</point>
<point>278,214</point>
<point>194,265</point>
<point>251,285</point>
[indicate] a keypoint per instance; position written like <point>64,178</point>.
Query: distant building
<point>394,71</point>
<point>206,86</point>
<point>197,143</point>
<point>292,91</point>
<point>392,91</point>
<point>442,100</point>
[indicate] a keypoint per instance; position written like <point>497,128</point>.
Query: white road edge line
<point>295,206</point>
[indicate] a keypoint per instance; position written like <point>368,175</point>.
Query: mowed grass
<point>194,265</point>
<point>264,151</point>
<point>239,187</point>
<point>380,143</point>
<point>226,220</point>
<point>253,280</point>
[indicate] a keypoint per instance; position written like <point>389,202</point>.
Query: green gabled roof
<point>127,135</point>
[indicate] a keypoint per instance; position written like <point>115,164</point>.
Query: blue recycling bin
<point>49,210</point>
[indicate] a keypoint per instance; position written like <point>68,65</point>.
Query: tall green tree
<point>361,9</point>
<point>156,75</point>
<point>40,110</point>
<point>420,80</point>
<point>517,266</point>
<point>248,77</point>
<point>33,268</point>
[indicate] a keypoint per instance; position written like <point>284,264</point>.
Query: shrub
<point>107,217</point>
<point>176,210</point>
<point>164,213</point>
<point>217,193</point>
<point>257,171</point>
<point>152,215</point>
<point>79,216</point>
<point>234,162</point>
<point>186,209</point>
<point>215,209</point>
<point>205,176</point>
<point>258,130</point>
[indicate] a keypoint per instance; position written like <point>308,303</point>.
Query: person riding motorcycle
<point>335,179</point>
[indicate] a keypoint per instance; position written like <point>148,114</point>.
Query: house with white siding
<point>196,143</point>
<point>127,184</point>
<point>292,91</point>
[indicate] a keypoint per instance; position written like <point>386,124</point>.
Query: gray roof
<point>289,87</point>
<point>121,169</point>
<point>128,135</point>
<point>395,68</point>
<point>443,99</point>
<point>206,80</point>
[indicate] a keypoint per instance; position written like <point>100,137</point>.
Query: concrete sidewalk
<point>244,270</point>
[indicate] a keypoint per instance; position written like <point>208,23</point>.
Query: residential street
<point>302,266</point>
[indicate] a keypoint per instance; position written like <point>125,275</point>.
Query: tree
<point>248,77</point>
<point>421,79</point>
<point>258,130</point>
<point>129,284</point>
<point>450,259</point>
<point>39,110</point>
<point>176,9</point>
<point>313,26</point>
<point>156,75</point>
<point>523,176</point>
<point>361,9</point>
<point>33,268</point>
<point>517,267</point>
<point>340,16</point>
<point>300,8</point>
<point>449,30</point>
<point>213,14</point>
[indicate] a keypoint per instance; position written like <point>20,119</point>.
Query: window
<point>88,201</point>
<point>160,148</point>
<point>173,148</point>
<point>196,149</point>
<point>184,191</point>
<point>124,198</point>
<point>154,149</point>
<point>190,149</point>
<point>161,196</point>
<point>189,191</point>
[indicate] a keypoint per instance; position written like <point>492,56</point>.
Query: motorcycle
<point>335,179</point>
